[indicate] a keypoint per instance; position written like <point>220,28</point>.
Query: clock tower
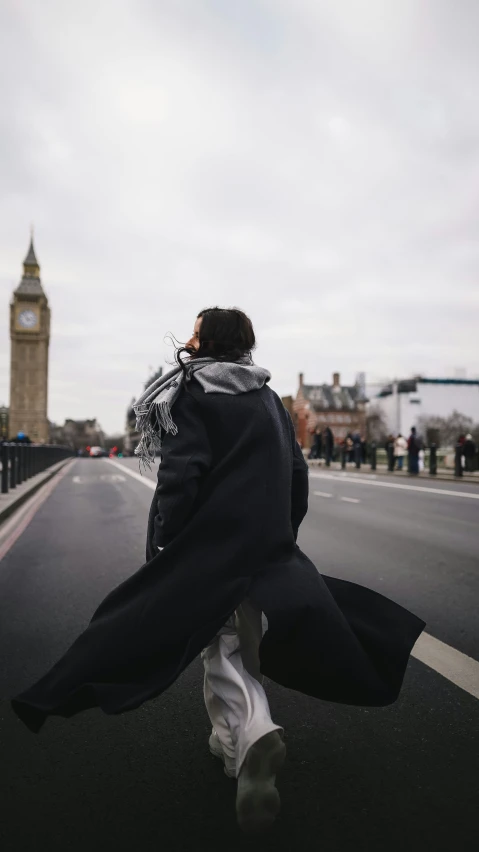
<point>30,339</point>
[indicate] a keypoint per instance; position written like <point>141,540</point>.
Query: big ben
<point>30,339</point>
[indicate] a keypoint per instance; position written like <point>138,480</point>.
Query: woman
<point>400,448</point>
<point>221,549</point>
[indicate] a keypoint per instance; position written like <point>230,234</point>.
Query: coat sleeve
<point>185,459</point>
<point>299,485</point>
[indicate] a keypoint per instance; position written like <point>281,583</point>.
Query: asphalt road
<point>365,780</point>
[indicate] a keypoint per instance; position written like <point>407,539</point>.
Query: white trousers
<point>234,696</point>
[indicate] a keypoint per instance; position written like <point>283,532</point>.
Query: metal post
<point>343,456</point>
<point>21,459</point>
<point>29,460</point>
<point>5,455</point>
<point>13,465</point>
<point>458,461</point>
<point>433,459</point>
<point>390,457</point>
<point>373,455</point>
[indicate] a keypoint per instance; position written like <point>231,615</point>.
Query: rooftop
<point>323,397</point>
<point>411,385</point>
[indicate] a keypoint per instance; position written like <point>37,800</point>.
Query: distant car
<point>97,452</point>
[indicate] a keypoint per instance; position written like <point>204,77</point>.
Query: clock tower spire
<point>30,339</point>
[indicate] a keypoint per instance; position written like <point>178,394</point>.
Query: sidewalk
<point>10,502</point>
<point>443,474</point>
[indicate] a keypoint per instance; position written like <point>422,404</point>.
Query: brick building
<point>342,408</point>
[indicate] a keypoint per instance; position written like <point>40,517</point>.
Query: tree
<point>449,428</point>
<point>376,426</point>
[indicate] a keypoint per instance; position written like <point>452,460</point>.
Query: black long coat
<point>232,492</point>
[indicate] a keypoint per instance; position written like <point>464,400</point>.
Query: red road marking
<point>43,496</point>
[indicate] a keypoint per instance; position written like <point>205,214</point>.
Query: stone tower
<point>30,339</point>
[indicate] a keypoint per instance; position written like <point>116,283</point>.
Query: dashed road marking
<point>144,479</point>
<point>350,500</point>
<point>448,662</point>
<point>322,494</point>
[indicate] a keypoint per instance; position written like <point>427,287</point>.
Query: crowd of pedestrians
<point>401,451</point>
<point>397,448</point>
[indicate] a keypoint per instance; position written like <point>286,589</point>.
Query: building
<point>132,437</point>
<point>342,408</point>
<point>30,339</point>
<point>77,434</point>
<point>404,403</point>
<point>4,430</point>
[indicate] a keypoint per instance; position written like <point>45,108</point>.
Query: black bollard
<point>13,465</point>
<point>22,474</point>
<point>5,455</point>
<point>433,459</point>
<point>343,457</point>
<point>373,455</point>
<point>458,461</point>
<point>390,457</point>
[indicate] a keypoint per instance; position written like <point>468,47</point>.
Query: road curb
<point>6,511</point>
<point>465,480</point>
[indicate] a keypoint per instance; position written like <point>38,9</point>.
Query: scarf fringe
<point>150,421</point>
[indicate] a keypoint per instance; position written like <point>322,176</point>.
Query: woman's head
<point>225,334</point>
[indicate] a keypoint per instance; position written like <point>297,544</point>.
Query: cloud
<point>315,163</point>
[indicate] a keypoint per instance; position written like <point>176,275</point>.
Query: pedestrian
<point>349,447</point>
<point>356,439</point>
<point>328,445</point>
<point>221,550</point>
<point>413,446</point>
<point>389,447</point>
<point>421,459</point>
<point>469,449</point>
<point>316,447</point>
<point>400,447</point>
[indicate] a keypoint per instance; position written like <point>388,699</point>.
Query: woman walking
<point>221,550</point>
<point>400,449</point>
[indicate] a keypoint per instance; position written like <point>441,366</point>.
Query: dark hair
<point>226,334</point>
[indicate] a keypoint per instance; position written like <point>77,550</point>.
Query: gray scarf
<point>153,408</point>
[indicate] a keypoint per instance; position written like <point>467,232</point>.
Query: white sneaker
<point>217,750</point>
<point>257,799</point>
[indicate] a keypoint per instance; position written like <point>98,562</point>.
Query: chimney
<point>335,380</point>
<point>301,377</point>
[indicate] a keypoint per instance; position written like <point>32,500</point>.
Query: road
<point>359,779</point>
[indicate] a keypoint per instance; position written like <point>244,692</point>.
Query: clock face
<point>28,319</point>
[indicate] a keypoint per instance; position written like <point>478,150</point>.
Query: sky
<point>313,162</point>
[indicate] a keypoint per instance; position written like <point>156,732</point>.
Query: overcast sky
<point>314,162</point>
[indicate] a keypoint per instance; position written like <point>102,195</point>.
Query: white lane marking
<point>461,670</point>
<point>77,479</point>
<point>349,500</point>
<point>451,664</point>
<point>112,477</point>
<point>144,479</point>
<point>436,491</point>
<point>322,494</point>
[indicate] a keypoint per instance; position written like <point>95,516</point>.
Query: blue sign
<point>21,435</point>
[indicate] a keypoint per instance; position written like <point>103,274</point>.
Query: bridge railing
<point>20,462</point>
